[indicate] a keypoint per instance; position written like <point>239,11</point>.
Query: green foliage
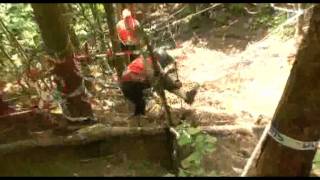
<point>201,144</point>
<point>57,95</point>
<point>268,20</point>
<point>286,32</point>
<point>236,8</point>
<point>222,19</point>
<point>190,9</point>
<point>316,160</point>
<point>81,25</point>
<point>19,20</point>
<point>84,22</point>
<point>18,25</point>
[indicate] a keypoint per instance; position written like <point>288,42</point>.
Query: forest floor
<point>240,88</point>
<point>241,75</point>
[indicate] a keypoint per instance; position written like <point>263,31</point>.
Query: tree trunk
<point>74,39</point>
<point>299,26</point>
<point>4,107</point>
<point>298,111</point>
<point>54,31</point>
<point>117,61</point>
<point>132,8</point>
<point>119,7</point>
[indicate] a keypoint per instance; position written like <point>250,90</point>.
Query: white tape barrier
<point>292,143</point>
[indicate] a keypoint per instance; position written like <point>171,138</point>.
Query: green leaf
<point>185,163</point>
<point>211,139</point>
<point>57,95</point>
<point>193,131</point>
<point>184,139</point>
<point>200,143</point>
<point>200,172</point>
<point>210,148</point>
<point>194,157</point>
<point>182,173</point>
<point>200,138</point>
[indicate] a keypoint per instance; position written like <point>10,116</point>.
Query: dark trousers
<point>133,91</point>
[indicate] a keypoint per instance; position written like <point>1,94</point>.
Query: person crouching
<point>137,78</point>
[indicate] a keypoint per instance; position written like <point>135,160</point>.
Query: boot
<point>190,95</point>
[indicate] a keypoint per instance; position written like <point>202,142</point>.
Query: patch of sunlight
<point>263,97</point>
<point>17,60</point>
<point>204,65</point>
<point>56,110</point>
<point>8,87</point>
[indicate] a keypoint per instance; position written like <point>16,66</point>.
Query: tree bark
<point>119,7</point>
<point>117,62</point>
<point>298,111</point>
<point>74,39</point>
<point>299,26</point>
<point>4,106</point>
<point>85,135</point>
<point>55,34</point>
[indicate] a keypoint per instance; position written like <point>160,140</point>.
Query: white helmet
<point>126,13</point>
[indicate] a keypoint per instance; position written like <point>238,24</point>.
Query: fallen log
<point>16,115</point>
<point>100,132</point>
<point>231,129</point>
<point>85,135</point>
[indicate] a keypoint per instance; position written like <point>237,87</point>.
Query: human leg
<point>133,91</point>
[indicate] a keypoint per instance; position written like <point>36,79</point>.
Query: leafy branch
<point>200,144</point>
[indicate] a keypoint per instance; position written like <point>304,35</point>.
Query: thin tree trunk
<point>4,106</point>
<point>298,111</point>
<point>74,39</point>
<point>119,7</point>
<point>299,26</point>
<point>117,61</point>
<point>54,31</point>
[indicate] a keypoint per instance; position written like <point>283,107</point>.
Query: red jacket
<point>136,70</point>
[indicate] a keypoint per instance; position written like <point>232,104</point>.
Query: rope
<point>283,9</point>
<point>288,21</point>
<point>187,17</point>
<point>171,16</point>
